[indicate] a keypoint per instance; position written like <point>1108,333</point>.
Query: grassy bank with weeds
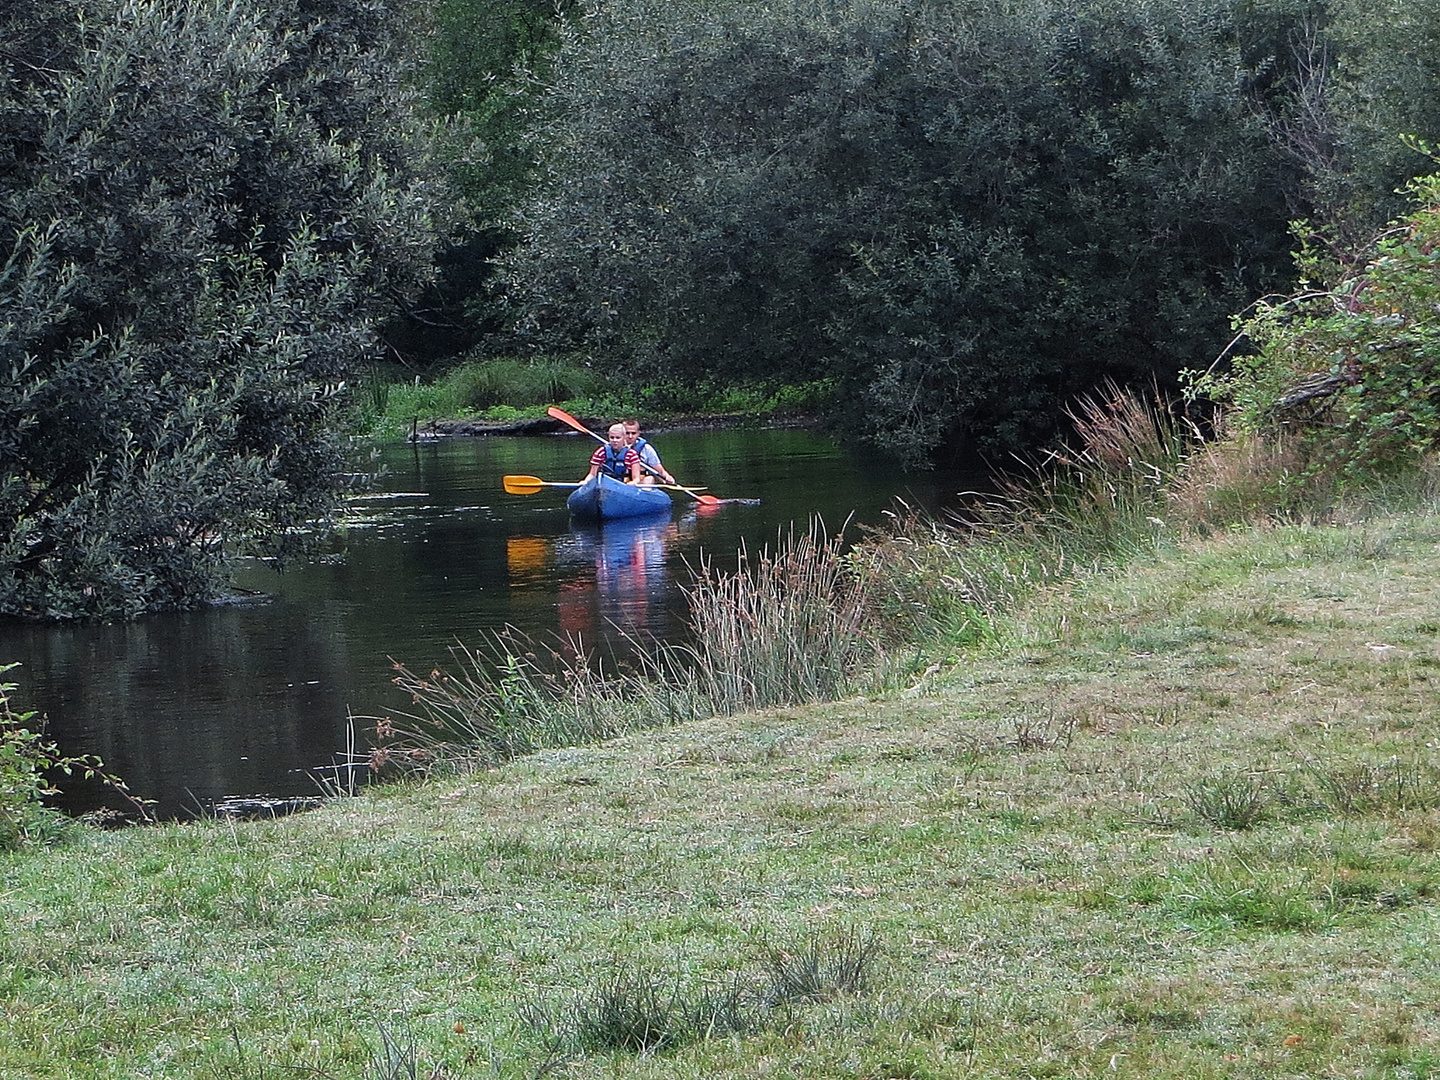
<point>1175,820</point>
<point>390,403</point>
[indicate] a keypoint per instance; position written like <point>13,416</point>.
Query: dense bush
<point>961,214</point>
<point>1350,368</point>
<point>203,209</point>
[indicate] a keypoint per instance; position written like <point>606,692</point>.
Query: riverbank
<point>1033,861</point>
<point>545,425</point>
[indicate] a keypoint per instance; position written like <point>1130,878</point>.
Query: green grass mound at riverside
<point>1175,821</point>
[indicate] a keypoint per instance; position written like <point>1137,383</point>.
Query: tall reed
<point>1097,501</point>
<point>787,626</point>
<point>505,699</point>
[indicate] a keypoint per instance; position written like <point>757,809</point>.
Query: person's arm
<point>596,459</point>
<point>651,457</point>
<point>632,459</point>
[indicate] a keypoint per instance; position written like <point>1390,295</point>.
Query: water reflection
<point>629,589</point>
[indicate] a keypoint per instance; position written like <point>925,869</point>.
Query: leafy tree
<point>960,214</point>
<point>486,63</point>
<point>1352,367</point>
<point>204,207</point>
<point>1341,84</point>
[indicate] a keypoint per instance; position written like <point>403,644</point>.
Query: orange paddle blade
<point>522,485</point>
<point>565,418</point>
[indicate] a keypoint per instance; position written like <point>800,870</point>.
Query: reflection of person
<point>649,456</point>
<point>616,458</point>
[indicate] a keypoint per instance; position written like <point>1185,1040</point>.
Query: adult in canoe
<point>649,456</point>
<point>616,459</point>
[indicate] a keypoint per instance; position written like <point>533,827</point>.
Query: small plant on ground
<point>820,970</point>
<point>637,1011</point>
<point>26,759</point>
<point>1048,732</point>
<point>1235,802</point>
<point>1376,787</point>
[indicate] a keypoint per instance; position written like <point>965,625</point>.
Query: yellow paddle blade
<point>522,485</point>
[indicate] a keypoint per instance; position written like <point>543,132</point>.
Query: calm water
<point>253,697</point>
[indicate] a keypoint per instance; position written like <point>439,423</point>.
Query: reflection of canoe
<point>605,498</point>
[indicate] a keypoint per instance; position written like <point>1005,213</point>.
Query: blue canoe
<point>606,498</point>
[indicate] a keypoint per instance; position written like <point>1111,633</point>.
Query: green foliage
<point>535,381</point>
<point>959,214</point>
<point>485,66</point>
<point>27,761</point>
<point>203,209</point>
<point>1386,86</point>
<point>1354,366</point>
<point>24,759</point>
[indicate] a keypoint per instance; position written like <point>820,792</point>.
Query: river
<point>257,695</point>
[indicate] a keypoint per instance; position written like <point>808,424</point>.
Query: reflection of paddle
<point>529,485</point>
<point>565,418</point>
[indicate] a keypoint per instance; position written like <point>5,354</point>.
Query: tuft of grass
<point>1229,801</point>
<point>630,1012</point>
<point>819,970</point>
<point>1084,507</point>
<point>1395,785</point>
<point>636,1011</point>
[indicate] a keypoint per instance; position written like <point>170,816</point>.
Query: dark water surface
<point>253,697</point>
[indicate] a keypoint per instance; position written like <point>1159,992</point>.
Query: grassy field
<point>1179,821</point>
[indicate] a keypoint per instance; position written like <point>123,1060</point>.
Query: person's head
<point>617,435</point>
<point>632,431</point>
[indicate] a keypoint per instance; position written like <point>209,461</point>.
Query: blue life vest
<point>645,466</point>
<point>615,462</point>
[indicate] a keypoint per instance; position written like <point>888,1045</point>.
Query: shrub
<point>26,762</point>
<point>1353,367</point>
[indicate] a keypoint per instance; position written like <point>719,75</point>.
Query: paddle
<point>529,485</point>
<point>565,418</point>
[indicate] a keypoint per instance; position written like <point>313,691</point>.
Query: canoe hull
<point>606,499</point>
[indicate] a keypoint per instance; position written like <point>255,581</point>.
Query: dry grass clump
<point>787,627</point>
<point>1231,481</point>
<point>1088,505</point>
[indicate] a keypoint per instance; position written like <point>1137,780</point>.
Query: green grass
<point>1013,840</point>
<point>388,403</point>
